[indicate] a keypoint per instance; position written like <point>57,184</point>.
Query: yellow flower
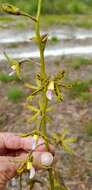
<point>29,165</point>
<point>31,169</point>
<point>15,66</point>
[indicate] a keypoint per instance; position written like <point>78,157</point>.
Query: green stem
<point>51,179</point>
<point>43,74</point>
<point>20,182</point>
<point>43,70</point>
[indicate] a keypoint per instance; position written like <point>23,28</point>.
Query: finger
<point>13,141</point>
<point>42,148</point>
<point>30,143</point>
<point>9,141</point>
<point>14,153</point>
<point>8,167</point>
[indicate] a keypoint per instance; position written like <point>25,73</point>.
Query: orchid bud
<point>10,9</point>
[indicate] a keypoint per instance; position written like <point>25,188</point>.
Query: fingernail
<point>46,159</point>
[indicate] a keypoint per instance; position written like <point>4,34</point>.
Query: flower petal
<point>32,173</point>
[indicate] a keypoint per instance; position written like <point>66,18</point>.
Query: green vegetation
<point>78,62</point>
<point>54,6</point>
<point>6,19</point>
<point>80,89</point>
<point>85,96</point>
<point>69,19</point>
<point>74,62</point>
<point>15,94</point>
<point>88,128</point>
<point>54,39</point>
<point>4,77</point>
<point>82,21</point>
<point>65,12</point>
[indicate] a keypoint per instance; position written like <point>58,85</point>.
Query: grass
<point>88,128</point>
<point>15,94</point>
<point>4,77</point>
<point>6,19</point>
<point>80,90</point>
<point>54,6</point>
<point>85,96</point>
<point>54,39</point>
<point>76,63</point>
<point>82,21</point>
<point>65,12</point>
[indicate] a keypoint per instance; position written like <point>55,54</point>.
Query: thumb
<point>9,165</point>
<point>42,159</point>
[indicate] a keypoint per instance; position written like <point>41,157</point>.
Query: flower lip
<point>32,173</point>
<point>49,94</point>
<point>12,73</point>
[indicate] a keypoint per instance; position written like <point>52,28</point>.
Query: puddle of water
<point>10,36</point>
<point>13,36</point>
<point>79,50</point>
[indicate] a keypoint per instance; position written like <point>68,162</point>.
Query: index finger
<point>15,142</point>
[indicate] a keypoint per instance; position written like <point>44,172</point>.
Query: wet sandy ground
<point>61,41</point>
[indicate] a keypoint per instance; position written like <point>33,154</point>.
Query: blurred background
<point>69,47</point>
<point>55,7</point>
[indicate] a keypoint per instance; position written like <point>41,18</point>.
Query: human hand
<point>14,148</point>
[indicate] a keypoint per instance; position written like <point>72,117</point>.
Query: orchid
<point>45,88</point>
<point>15,66</point>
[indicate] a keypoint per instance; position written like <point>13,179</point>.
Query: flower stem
<point>51,179</point>
<point>43,73</point>
<point>44,101</point>
<point>43,70</point>
<point>20,182</point>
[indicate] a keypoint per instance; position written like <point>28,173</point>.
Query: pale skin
<point>14,149</point>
